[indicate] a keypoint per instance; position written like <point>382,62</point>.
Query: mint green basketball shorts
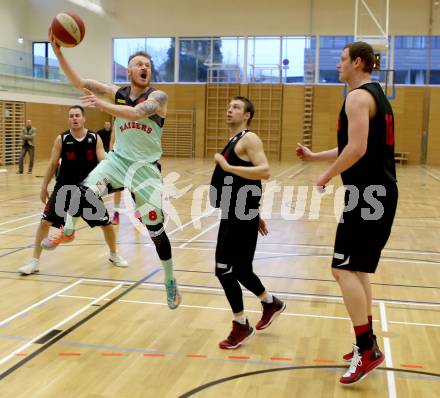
<point>141,178</point>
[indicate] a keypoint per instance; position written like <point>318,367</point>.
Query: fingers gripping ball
<point>68,29</point>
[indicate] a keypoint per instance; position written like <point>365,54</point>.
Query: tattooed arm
<point>155,104</point>
<point>101,89</point>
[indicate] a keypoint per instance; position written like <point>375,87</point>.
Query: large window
<point>298,59</point>
<point>330,48</point>
<point>264,59</point>
<point>45,63</point>
<point>211,59</point>
<point>412,56</point>
<point>161,51</point>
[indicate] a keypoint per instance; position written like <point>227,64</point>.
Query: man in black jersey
<point>365,161</point>
<point>105,134</point>
<point>236,189</point>
<point>79,151</point>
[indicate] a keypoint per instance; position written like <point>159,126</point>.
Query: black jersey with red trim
<point>251,194</point>
<point>78,158</point>
<point>122,97</point>
<point>377,166</point>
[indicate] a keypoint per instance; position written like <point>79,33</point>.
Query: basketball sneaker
<point>362,363</point>
<point>115,219</point>
<point>239,334</point>
<point>118,260</point>
<point>30,267</point>
<point>52,242</point>
<point>270,312</point>
<point>174,298</point>
<point>347,357</point>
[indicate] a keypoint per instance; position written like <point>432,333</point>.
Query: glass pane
<point>160,49</point>
<point>330,49</point>
<point>194,57</point>
<point>411,59</point>
<point>264,59</point>
<point>228,60</point>
<point>298,56</point>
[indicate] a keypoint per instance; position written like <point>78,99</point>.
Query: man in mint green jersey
<point>140,112</point>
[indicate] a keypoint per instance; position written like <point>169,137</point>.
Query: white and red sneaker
<point>362,363</point>
<point>348,357</point>
<point>239,334</point>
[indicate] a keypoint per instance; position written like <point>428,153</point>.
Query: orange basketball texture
<point>68,29</point>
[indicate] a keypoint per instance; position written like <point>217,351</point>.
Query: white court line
<point>18,219</point>
<point>285,254</point>
<point>435,325</point>
<point>65,320</point>
<point>287,170</point>
<point>16,315</point>
<point>192,221</point>
<point>306,246</point>
<point>387,348</point>
<point>23,226</point>
<point>299,171</point>
<point>228,310</point>
<point>247,293</point>
<point>183,245</point>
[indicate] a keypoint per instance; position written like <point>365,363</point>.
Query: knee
<point>337,274</point>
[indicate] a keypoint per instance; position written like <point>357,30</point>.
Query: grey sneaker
<point>117,260</point>
<point>30,267</point>
<point>174,298</point>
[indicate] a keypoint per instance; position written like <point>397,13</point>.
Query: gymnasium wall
<point>137,18</point>
<point>408,110</point>
<point>52,120</point>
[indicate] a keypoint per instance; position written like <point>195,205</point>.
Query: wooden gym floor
<point>83,328</point>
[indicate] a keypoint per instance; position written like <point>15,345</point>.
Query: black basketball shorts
<point>363,232</point>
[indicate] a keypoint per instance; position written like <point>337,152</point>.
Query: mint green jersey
<point>139,140</point>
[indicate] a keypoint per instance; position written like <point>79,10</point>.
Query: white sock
<point>240,319</point>
<point>268,298</point>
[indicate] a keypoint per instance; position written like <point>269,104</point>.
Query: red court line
<point>112,354</point>
<point>403,365</point>
<point>280,359</point>
<point>196,356</point>
<point>238,357</point>
<point>324,361</point>
<point>154,355</point>
<point>69,354</point>
<point>21,354</point>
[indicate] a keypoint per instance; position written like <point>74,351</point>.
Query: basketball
<point>68,29</point>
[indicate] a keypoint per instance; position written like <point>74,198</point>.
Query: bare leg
<point>353,293</point>
<point>365,280</point>
<point>42,232</point>
<point>110,237</point>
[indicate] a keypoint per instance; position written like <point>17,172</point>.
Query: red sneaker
<point>52,242</point>
<point>270,312</point>
<point>363,362</point>
<point>239,334</point>
<point>348,357</point>
<point>115,219</point>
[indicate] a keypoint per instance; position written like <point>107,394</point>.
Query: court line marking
<point>391,382</point>
<point>18,219</point>
<point>22,226</point>
<point>224,309</point>
<point>183,245</point>
<point>57,326</point>
<point>31,307</point>
<point>285,294</point>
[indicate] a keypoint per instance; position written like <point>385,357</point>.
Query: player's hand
<point>303,152</point>
<point>55,46</point>
<point>221,161</point>
<point>322,181</point>
<point>262,228</point>
<point>44,195</point>
<point>90,100</point>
